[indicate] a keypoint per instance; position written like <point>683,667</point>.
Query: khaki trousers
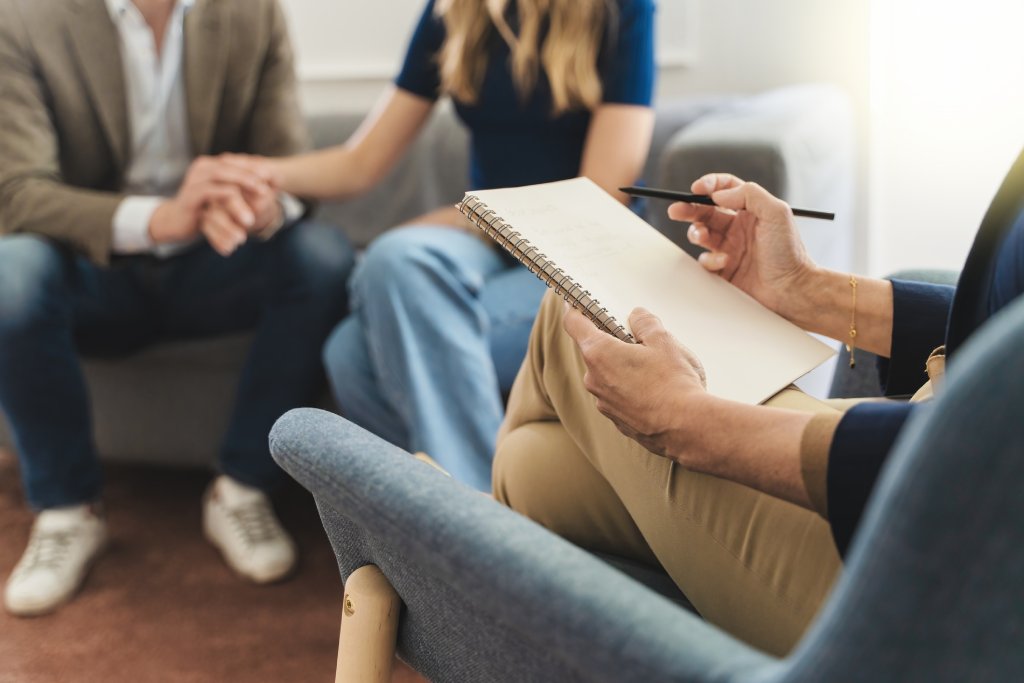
<point>754,565</point>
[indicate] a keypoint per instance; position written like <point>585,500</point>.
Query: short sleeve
<point>420,74</point>
<point>627,61</point>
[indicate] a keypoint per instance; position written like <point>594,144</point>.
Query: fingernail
<point>692,232</point>
<point>711,260</point>
<point>710,184</point>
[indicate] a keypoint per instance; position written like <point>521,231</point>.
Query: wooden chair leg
<point>369,628</point>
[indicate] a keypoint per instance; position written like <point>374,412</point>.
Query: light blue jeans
<point>439,326</point>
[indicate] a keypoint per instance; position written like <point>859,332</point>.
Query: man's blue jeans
<point>55,305</point>
<point>439,329</point>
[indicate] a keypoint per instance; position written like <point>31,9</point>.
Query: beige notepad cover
<point>748,352</point>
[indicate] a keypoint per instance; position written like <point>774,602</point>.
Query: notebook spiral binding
<point>526,253</point>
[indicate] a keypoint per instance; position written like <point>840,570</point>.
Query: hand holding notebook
<point>607,261</point>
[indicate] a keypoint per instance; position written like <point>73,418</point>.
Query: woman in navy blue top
<point>440,317</point>
<point>828,461</point>
<point>992,278</point>
<point>628,474</point>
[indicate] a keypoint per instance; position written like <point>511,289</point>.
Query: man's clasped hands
<point>226,199</point>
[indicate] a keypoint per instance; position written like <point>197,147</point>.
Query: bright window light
<point>947,120</point>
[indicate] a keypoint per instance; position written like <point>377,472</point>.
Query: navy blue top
<point>516,141</point>
<point>923,316</point>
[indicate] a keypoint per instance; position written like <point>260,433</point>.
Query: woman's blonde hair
<point>569,52</point>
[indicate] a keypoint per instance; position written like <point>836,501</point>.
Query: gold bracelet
<point>851,347</point>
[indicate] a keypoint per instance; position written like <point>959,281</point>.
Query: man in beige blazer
<point>120,226</point>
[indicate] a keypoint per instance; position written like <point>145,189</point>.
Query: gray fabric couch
<point>932,590</point>
<point>170,403</point>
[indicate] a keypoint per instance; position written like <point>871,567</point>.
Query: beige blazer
<point>64,137</point>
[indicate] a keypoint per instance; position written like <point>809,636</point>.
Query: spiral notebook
<point>606,260</point>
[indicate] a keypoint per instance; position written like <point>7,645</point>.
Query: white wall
<point>348,50</point>
<point>947,117</point>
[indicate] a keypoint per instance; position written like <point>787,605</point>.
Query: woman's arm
<point>616,147</point>
<point>823,304</point>
<point>360,163</point>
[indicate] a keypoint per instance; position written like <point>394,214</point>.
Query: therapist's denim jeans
<point>56,305</point>
<point>439,327</point>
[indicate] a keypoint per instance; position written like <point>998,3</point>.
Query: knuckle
<point>643,316</point>
<point>597,354</point>
<point>659,336</point>
<point>587,350</point>
<point>567,321</point>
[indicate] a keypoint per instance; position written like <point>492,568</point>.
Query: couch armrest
<point>796,141</point>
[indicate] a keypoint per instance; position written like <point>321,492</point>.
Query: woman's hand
<point>650,389</point>
<point>266,169</point>
<point>751,238</point>
<point>209,182</point>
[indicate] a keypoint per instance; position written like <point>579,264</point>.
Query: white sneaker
<point>63,545</point>
<point>239,521</point>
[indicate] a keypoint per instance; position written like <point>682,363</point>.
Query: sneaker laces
<point>46,550</point>
<point>254,523</point>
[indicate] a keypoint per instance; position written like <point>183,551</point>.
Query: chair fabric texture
<point>933,589</point>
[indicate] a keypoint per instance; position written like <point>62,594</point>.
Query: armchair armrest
<point>490,595</point>
<point>931,590</point>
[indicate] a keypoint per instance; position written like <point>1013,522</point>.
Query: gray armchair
<point>933,589</point>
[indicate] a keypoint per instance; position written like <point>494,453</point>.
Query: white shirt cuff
<point>291,207</point>
<point>131,225</point>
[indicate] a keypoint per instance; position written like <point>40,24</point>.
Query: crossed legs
<point>752,564</point>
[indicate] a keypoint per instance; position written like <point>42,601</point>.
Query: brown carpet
<point>160,605</point>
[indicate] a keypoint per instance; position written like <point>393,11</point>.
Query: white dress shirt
<point>161,150</point>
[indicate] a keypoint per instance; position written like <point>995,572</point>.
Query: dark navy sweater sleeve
<point>861,443</point>
<point>866,433</point>
<point>1008,269</point>
<point>627,61</point>
<point>920,314</point>
<point>420,74</point>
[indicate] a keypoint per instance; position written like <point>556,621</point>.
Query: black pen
<point>706,199</point>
